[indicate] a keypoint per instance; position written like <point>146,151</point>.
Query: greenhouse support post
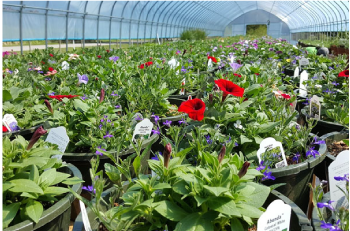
<point>21,27</point>
<point>46,18</point>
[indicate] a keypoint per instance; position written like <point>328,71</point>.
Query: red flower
<point>107,51</point>
<point>50,69</point>
<point>256,74</point>
<point>229,88</point>
<point>4,129</point>
<point>102,95</point>
<point>38,132</point>
<point>344,74</point>
<point>60,97</point>
<point>147,64</point>
<point>238,75</point>
<point>151,58</point>
<point>194,108</point>
<point>99,56</point>
<point>285,96</point>
<point>212,59</point>
<point>51,55</point>
<point>42,62</point>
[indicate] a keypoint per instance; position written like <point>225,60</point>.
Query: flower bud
<point>39,132</point>
<point>184,52</point>
<point>102,95</point>
<point>222,153</point>
<point>48,105</point>
<point>244,169</point>
<point>211,98</point>
<point>239,61</point>
<point>167,154</point>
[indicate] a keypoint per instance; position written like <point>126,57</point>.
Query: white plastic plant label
<point>143,128</point>
<point>303,62</point>
<point>158,39</point>
<point>273,148</point>
<point>10,122</point>
<point>232,59</point>
<point>339,168</point>
<point>58,136</point>
<point>315,107</point>
<point>296,72</point>
<point>302,88</point>
<point>210,64</point>
<point>276,217</point>
<point>86,221</point>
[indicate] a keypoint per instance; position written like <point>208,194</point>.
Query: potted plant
<point>35,192</point>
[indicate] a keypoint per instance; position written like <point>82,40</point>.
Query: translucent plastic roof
<point>146,19</point>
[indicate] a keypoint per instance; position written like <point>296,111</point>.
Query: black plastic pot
<point>316,221</point>
<point>299,221</point>
<point>321,170</point>
<point>57,217</point>
<point>323,127</point>
<point>26,133</point>
<point>296,178</point>
<point>82,160</point>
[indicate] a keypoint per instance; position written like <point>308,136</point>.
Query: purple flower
<point>270,49</point>
<point>312,152</point>
<point>278,52</point>
<point>156,157</point>
<point>156,131</point>
<point>268,176</point>
<point>14,127</point>
<point>183,69</point>
<point>335,83</point>
<point>52,93</point>
<point>235,66</point>
<point>330,68</point>
<point>330,226</point>
<point>296,157</point>
<point>229,139</point>
<point>89,188</point>
<point>307,101</point>
<point>167,123</point>
<point>327,205</point>
<point>156,118</point>
<point>82,79</point>
<point>236,144</point>
<point>261,166</point>
<point>98,152</point>
<point>47,79</point>
<point>342,178</point>
<point>84,97</point>
<point>101,120</point>
<point>178,52</point>
<point>105,116</point>
<point>114,58</point>
<point>190,61</point>
<point>117,106</point>
<point>209,141</point>
<point>138,118</point>
<point>113,94</point>
<point>40,72</point>
<point>318,142</point>
<point>100,126</point>
<point>107,135</point>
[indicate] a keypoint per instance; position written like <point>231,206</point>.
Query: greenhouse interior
<point>175,115</point>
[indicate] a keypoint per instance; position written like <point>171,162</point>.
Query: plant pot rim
<point>89,155</point>
<point>325,136</point>
<point>173,118</point>
<point>307,164</point>
<point>303,111</point>
<point>58,208</point>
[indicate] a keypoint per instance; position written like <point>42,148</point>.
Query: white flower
<point>73,56</point>
<point>65,65</point>
<point>263,48</point>
<point>173,63</point>
<point>238,125</point>
<point>318,86</point>
<point>16,71</point>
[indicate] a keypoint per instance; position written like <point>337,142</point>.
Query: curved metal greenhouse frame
<point>141,20</point>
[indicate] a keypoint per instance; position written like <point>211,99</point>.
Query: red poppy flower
<point>99,56</point>
<point>107,51</point>
<point>344,74</point>
<point>60,97</point>
<point>42,62</point>
<point>256,74</point>
<point>238,75</point>
<point>50,69</point>
<point>194,108</point>
<point>51,55</point>
<point>212,59</point>
<point>229,88</point>
<point>147,64</point>
<point>4,129</point>
<point>285,96</point>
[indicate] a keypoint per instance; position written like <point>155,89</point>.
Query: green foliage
<point>193,34</point>
<point>256,30</point>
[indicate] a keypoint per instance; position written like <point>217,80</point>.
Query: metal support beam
<point>98,23</point>
<point>110,24</point>
<point>130,22</point>
<point>144,36</point>
<point>138,24</point>
<point>67,16</point>
<point>21,28</point>
<point>47,6</point>
<point>121,25</point>
<point>84,24</point>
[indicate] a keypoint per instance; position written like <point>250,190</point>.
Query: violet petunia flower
<point>167,123</point>
<point>51,94</point>
<point>235,66</point>
<point>89,188</point>
<point>82,79</point>
<point>114,58</point>
<point>312,152</point>
<point>117,106</point>
<point>84,97</point>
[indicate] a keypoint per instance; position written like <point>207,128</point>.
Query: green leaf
<point>224,205</point>
<point>137,165</point>
<point>268,127</point>
<point>34,210</point>
<point>6,95</point>
<point>34,173</point>
<point>47,178</point>
<point>180,187</point>
<point>6,186</point>
<point>59,177</point>
<point>346,142</point>
<point>9,212</point>
<point>54,191</point>
<point>259,195</point>
<point>112,172</point>
<point>170,210</point>
<point>236,225</point>
<point>248,210</point>
<point>80,105</point>
<point>25,185</point>
<point>161,186</point>
<point>195,222</point>
<point>215,190</point>
<point>72,181</point>
<point>245,139</point>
